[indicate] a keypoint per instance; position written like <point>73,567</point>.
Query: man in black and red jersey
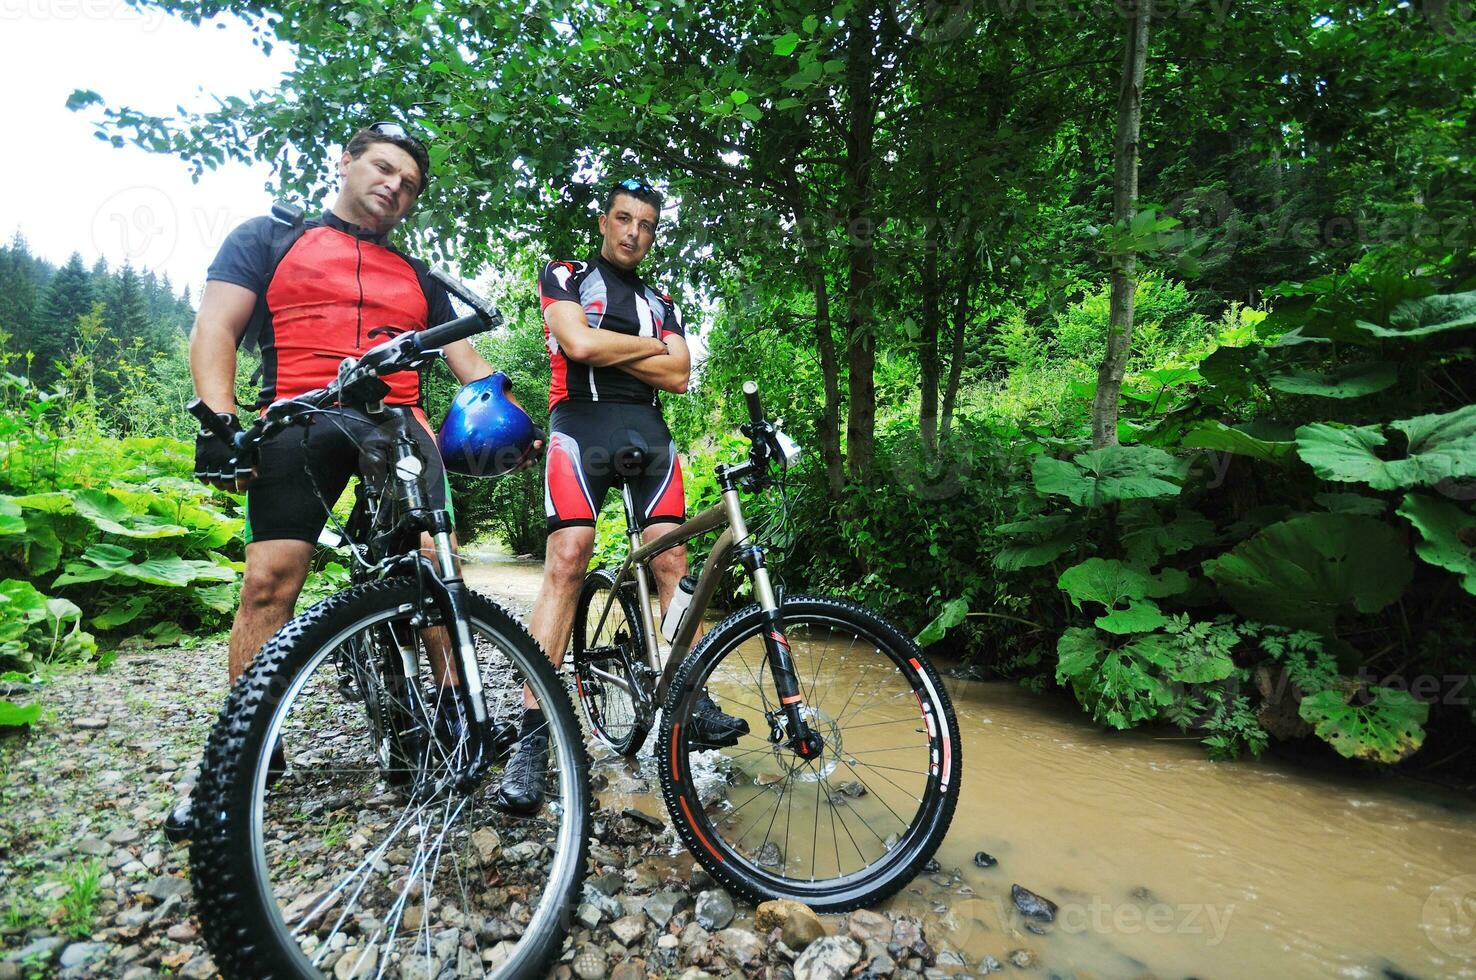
<point>315,292</point>
<point>614,342</point>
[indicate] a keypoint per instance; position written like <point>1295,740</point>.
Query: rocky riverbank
<point>92,889</point>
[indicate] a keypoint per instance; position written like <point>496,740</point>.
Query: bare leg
<point>668,567</point>
<point>436,639</point>
<point>565,563</point>
<point>275,571</point>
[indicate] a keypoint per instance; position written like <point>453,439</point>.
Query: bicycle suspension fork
<point>806,743</point>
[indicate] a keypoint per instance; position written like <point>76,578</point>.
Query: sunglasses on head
<point>637,185</point>
<point>396,132</point>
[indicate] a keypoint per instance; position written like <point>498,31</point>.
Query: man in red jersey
<point>314,293</point>
<point>614,342</point>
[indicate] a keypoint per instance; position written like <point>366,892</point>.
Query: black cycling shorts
<point>302,471</point>
<point>585,445</point>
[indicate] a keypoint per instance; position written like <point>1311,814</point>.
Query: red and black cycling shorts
<point>302,470</point>
<point>588,444</point>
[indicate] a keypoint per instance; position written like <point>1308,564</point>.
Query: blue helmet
<point>486,432</point>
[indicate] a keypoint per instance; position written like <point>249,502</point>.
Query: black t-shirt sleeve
<point>245,256</point>
<point>559,281</point>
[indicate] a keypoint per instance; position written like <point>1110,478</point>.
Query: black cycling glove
<point>214,460</point>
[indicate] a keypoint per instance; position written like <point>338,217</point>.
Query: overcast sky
<point>66,190</point>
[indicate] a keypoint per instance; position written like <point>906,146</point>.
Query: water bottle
<point>681,599</point>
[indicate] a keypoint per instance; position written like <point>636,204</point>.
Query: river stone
<point>81,954</point>
<point>123,835</point>
<point>714,910</point>
<point>90,723</point>
<point>830,958</point>
<point>629,970</point>
<point>740,946</point>
<point>948,957</point>
<point>608,883</point>
<point>183,932</point>
<point>1032,904</point>
<point>865,924</point>
<point>351,967</point>
<point>629,930</point>
<point>984,859</point>
<point>798,924</point>
<point>663,905</point>
<point>487,843</point>
<point>202,967</point>
<point>1022,958</point>
<point>590,963</point>
<point>640,816</point>
<point>417,967</point>
<point>167,886</point>
<point>991,965</point>
<point>93,846</point>
<point>588,916</point>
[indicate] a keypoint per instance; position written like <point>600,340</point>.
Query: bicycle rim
<point>605,655</point>
<point>340,864</point>
<point>843,829</point>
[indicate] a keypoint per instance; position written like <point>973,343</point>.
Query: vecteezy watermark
<point>140,223</point>
<point>1449,916</point>
<point>75,10</point>
<point>1098,915</point>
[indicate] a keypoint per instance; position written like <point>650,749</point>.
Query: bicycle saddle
<point>631,460</point>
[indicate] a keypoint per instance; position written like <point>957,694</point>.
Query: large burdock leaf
<point>1348,381</point>
<point>1426,316</point>
<point>109,561</point>
<point>1448,535</point>
<point>1387,728</point>
<point>1242,441</point>
<point>112,515</point>
<point>1049,537</point>
<point>955,611</point>
<point>1108,474</point>
<point>12,524</point>
<point>1146,536</point>
<point>1440,447</point>
<point>1111,582</point>
<point>1307,571</point>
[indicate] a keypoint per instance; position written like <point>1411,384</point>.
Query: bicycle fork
<point>788,718</point>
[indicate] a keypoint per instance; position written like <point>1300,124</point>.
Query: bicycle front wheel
<point>374,854</point>
<point>847,827</point>
<point>609,648</point>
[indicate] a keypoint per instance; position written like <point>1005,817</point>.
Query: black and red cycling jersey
<point>335,292</point>
<point>613,299</point>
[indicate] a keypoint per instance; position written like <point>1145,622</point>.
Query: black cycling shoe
<point>522,786</point>
<point>179,824</point>
<point>710,728</point>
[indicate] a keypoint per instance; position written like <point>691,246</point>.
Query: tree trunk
<point>829,427</point>
<point>860,231</point>
<point>1124,206</point>
<point>956,356</point>
<point>927,416</point>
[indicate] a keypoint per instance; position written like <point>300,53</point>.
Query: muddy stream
<point>1160,862</point>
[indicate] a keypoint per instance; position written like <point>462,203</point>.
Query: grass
<point>80,901</point>
<point>336,833</point>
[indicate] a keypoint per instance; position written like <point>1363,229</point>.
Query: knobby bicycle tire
<point>897,689</point>
<point>240,916</point>
<point>624,735</point>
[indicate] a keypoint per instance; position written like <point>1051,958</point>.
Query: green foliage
<point>1438,447</point>
<point>1308,571</point>
<point>1381,723</point>
<point>1447,535</point>
<point>78,904</point>
<point>1110,474</point>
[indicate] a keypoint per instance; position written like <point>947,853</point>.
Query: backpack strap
<point>287,228</point>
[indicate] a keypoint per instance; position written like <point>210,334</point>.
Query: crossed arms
<point>662,364</point>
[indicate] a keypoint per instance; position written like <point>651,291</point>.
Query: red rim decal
<point>687,811</point>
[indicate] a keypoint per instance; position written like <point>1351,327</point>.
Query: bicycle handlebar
<point>755,409</point>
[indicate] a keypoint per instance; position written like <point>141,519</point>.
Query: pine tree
<point>54,332</point>
<point>18,293</point>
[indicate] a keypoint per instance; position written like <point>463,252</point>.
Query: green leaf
<point>784,46</point>
<point>1348,381</point>
<point>1223,438</point>
<point>14,715</point>
<point>1109,474</point>
<point>1013,557</point>
<point>81,98</point>
<point>109,561</point>
<point>750,112</point>
<point>811,24</point>
<point>1146,537</point>
<point>1109,582</point>
<point>1426,316</point>
<point>12,524</point>
<point>118,615</point>
<point>1307,571</point>
<point>1352,503</point>
<point>954,612</point>
<point>1141,616</point>
<point>1386,729</point>
<point>1440,447</point>
<point>1447,535</point>
<point>112,515</point>
<point>1077,652</point>
<point>739,96</point>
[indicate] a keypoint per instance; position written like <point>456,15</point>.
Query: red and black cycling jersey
<point>337,291</point>
<point>613,299</point>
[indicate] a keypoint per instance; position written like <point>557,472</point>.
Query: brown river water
<point>1161,862</point>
